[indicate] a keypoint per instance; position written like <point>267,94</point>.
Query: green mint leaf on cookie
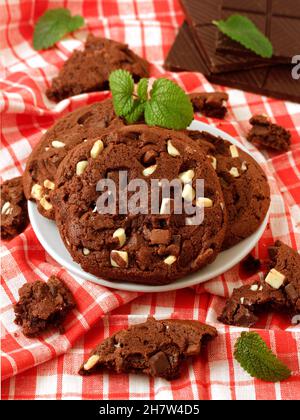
<point>258,360</point>
<point>168,106</point>
<point>243,30</point>
<point>136,112</point>
<point>121,85</point>
<point>53,25</point>
<point>142,89</point>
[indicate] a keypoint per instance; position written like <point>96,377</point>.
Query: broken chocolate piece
<point>266,134</point>
<point>155,348</point>
<point>43,305</point>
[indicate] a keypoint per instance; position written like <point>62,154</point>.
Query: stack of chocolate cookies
<point>201,47</point>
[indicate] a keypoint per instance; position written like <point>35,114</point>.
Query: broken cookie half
<point>155,348</point>
<point>280,290</point>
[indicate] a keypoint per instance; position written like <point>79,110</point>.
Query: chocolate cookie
<point>266,134</point>
<point>84,123</point>
<point>43,305</point>
<point>14,215</point>
<point>244,184</point>
<point>89,70</point>
<point>156,247</point>
<point>280,290</point>
<point>155,348</point>
<point>210,104</point>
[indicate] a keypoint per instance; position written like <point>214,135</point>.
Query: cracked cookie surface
<point>84,123</point>
<point>244,184</point>
<point>155,348</point>
<point>154,248</point>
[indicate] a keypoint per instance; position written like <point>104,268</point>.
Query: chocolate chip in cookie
<point>14,214</point>
<point>155,348</point>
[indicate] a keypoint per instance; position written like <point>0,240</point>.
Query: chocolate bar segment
<point>279,20</point>
<point>275,81</point>
<point>199,15</point>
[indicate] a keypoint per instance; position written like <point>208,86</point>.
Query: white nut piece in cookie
<point>150,170</point>
<point>86,251</point>
<point>242,300</point>
<point>275,279</point>
<point>234,151</point>
<point>244,166</point>
<point>90,363</point>
<point>97,149</point>
<point>170,260</point>
<point>172,150</point>
<point>204,202</point>
<point>254,287</point>
<point>45,204</point>
<point>37,192</point>
<point>121,235</point>
<point>6,208</point>
<point>57,144</point>
<point>213,161</point>
<point>187,176</point>
<point>81,166</point>
<point>119,258</point>
<point>49,184</point>
<point>234,172</point>
<point>188,192</point>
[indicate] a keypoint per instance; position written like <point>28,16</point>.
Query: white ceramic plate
<point>48,235</point>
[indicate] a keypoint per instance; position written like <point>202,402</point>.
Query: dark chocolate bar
<point>275,81</point>
<point>200,14</point>
<point>279,20</point>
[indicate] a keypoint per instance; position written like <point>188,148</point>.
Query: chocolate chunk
<point>89,70</point>
<point>13,204</point>
<point>266,134</point>
<point>251,265</point>
<point>155,348</point>
<point>160,236</point>
<point>42,306</point>
<point>210,104</point>
<point>280,291</point>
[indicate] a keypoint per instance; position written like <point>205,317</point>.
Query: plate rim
<point>187,281</point>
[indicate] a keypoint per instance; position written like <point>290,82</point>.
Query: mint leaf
<point>136,112</point>
<point>257,359</point>
<point>243,30</point>
<point>54,25</point>
<point>142,88</point>
<point>121,85</point>
<point>169,106</point>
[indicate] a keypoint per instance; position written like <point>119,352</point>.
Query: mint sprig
<point>258,360</point>
<point>53,25</point>
<point>166,105</point>
<point>241,29</point>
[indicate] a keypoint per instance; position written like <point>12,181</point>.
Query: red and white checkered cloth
<point>47,367</point>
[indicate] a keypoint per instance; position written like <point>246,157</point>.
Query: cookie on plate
<point>14,215</point>
<point>155,348</point>
<point>156,247</point>
<point>279,291</point>
<point>84,123</point>
<point>245,187</point>
<point>42,306</point>
<point>89,70</point>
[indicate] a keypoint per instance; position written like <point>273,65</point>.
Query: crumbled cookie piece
<point>280,290</point>
<point>43,305</point>
<point>210,104</point>
<point>155,348</point>
<point>266,134</point>
<point>251,265</point>
<point>14,215</point>
<point>89,70</point>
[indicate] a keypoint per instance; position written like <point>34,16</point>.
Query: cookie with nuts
<point>244,184</point>
<point>156,246</point>
<point>14,215</point>
<point>76,127</point>
<point>155,348</point>
<point>279,291</point>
